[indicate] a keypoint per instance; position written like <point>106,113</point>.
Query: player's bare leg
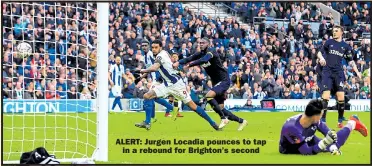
<point>202,113</point>
<point>174,101</point>
<point>231,116</point>
<point>340,95</point>
<point>146,124</point>
<point>209,98</point>
<point>149,95</point>
<point>176,109</point>
<point>325,98</point>
<point>171,101</point>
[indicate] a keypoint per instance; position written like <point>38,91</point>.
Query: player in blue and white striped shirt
<point>155,77</point>
<point>116,75</point>
<point>172,85</point>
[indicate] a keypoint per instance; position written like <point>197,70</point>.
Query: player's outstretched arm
<point>155,67</point>
<point>202,60</point>
<point>123,75</point>
<point>355,68</point>
<point>349,58</point>
<point>322,51</point>
<point>144,75</point>
<point>190,58</point>
<point>323,128</point>
<point>109,75</point>
<point>321,58</point>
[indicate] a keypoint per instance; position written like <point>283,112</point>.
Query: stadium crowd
<point>275,62</point>
<point>350,11</point>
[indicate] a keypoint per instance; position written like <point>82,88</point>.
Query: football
<point>24,50</point>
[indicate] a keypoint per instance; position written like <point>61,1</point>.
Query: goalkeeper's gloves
<point>330,138</point>
<point>334,150</point>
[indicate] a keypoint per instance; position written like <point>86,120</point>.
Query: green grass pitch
<point>261,126</point>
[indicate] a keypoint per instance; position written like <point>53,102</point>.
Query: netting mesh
<point>50,94</point>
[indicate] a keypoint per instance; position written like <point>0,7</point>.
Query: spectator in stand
<point>314,94</point>
<point>277,89</point>
<point>140,90</point>
<point>268,84</point>
<point>248,104</point>
<point>296,93</point>
<point>72,94</point>
<point>85,94</point>
<point>259,94</point>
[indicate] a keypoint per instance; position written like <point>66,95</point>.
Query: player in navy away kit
<point>333,78</point>
<point>298,132</point>
<point>319,70</point>
<point>210,61</point>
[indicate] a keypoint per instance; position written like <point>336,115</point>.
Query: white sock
<point>351,124</point>
<point>322,145</point>
<point>333,148</point>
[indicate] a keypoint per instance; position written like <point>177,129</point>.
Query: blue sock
<point>203,114</point>
<point>168,110</point>
<point>119,103</point>
<point>147,105</point>
<point>153,109</point>
<point>116,101</point>
<point>164,103</point>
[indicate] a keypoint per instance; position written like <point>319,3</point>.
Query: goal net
<point>50,95</point>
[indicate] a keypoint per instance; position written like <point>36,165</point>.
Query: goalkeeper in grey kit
<point>298,132</point>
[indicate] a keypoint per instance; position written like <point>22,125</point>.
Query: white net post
<point>102,100</point>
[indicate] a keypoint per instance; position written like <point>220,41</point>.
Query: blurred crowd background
<point>262,61</point>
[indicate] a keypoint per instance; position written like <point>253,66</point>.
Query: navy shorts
<point>333,81</point>
<point>221,91</point>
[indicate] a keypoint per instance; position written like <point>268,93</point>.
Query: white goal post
<point>102,102</point>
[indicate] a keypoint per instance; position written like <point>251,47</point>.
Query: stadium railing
<point>284,22</point>
<point>228,9</point>
<point>325,9</point>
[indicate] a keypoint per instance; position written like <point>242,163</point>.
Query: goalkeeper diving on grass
<point>211,62</point>
<point>298,132</point>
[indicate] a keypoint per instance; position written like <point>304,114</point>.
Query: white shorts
<point>178,90</point>
<point>154,84</point>
<point>116,91</point>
